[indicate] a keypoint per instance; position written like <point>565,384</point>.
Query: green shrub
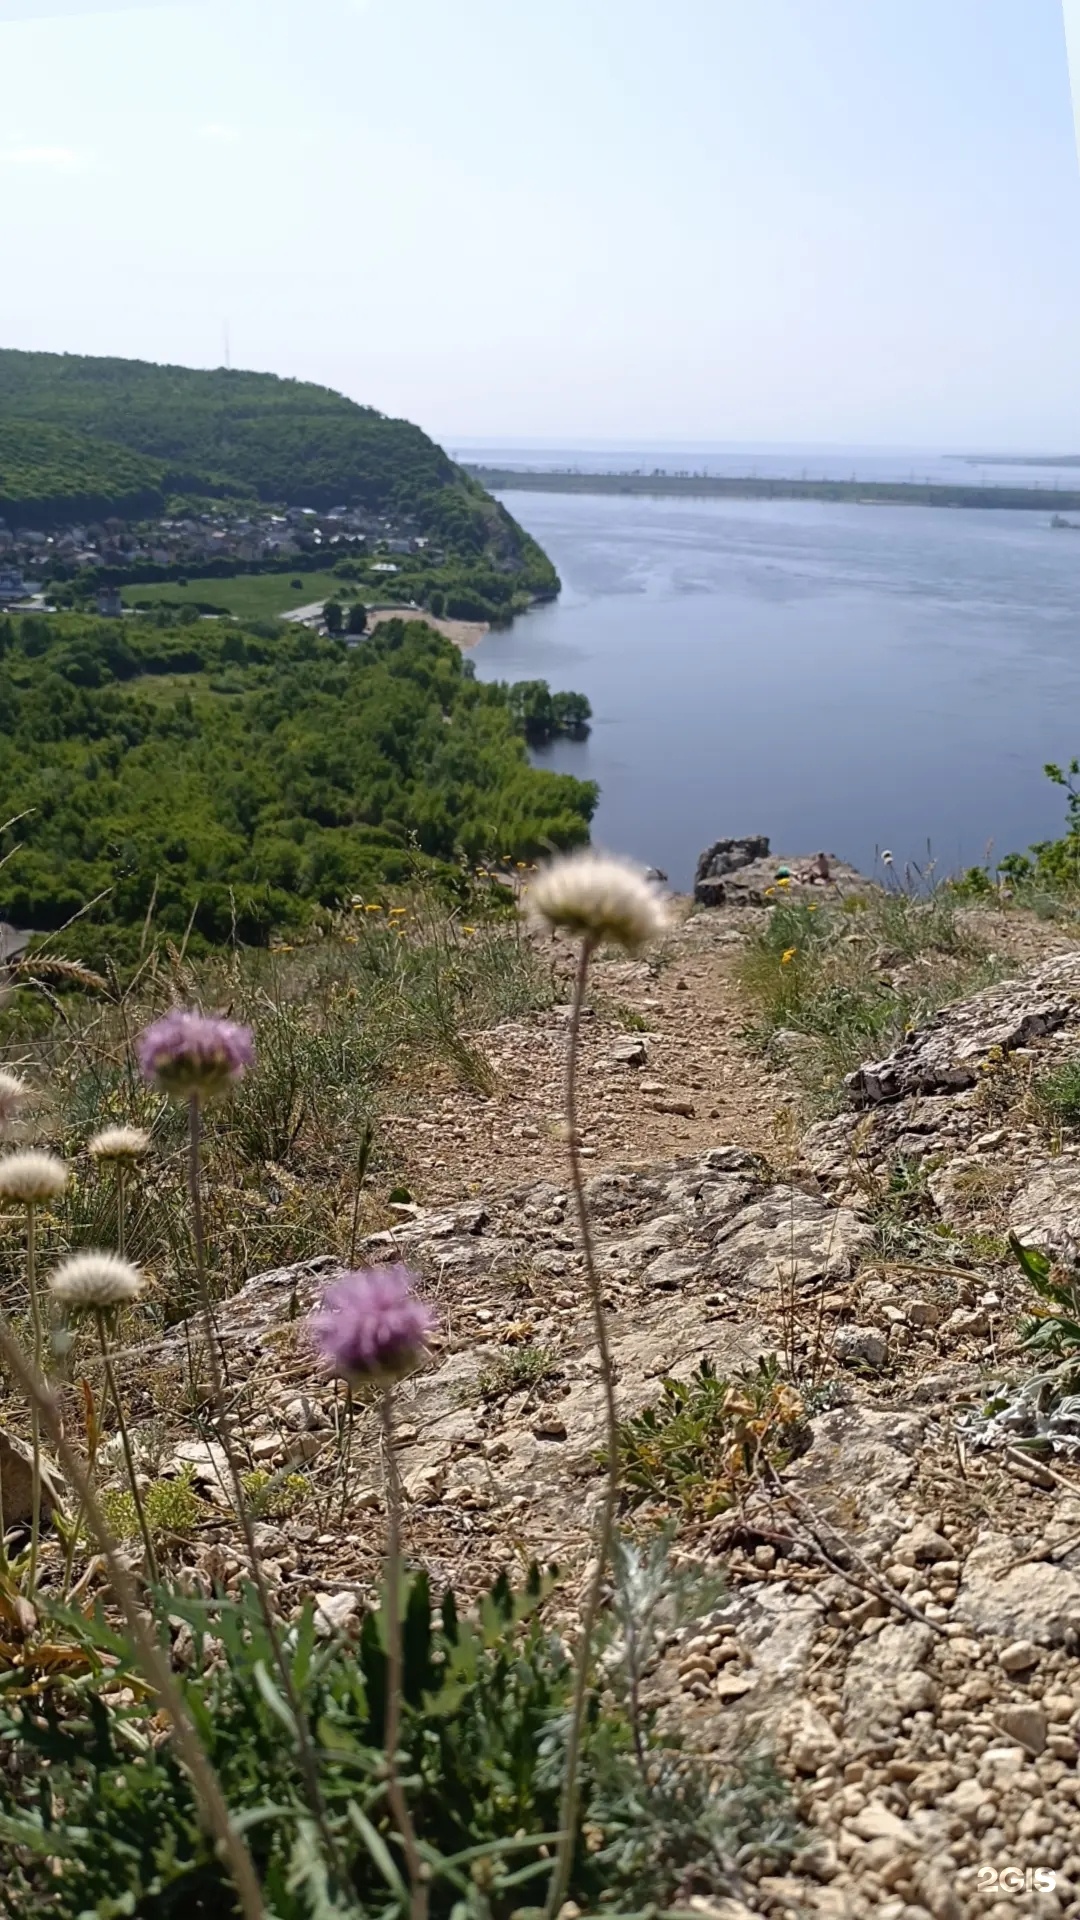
<point>98,1819</point>
<point>171,1507</point>
<point>706,1437</point>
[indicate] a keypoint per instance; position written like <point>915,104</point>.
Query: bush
<point>99,1820</point>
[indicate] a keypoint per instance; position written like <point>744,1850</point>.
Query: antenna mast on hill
<point>228,354</point>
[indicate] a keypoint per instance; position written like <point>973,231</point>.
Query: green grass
<point>254,596</point>
<point>518,1369</point>
<point>1058,1093</point>
<point>832,986</point>
<point>364,1021</point>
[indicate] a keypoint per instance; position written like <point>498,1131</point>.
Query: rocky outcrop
<point>947,1053</point>
<point>725,857</point>
<point>743,873</point>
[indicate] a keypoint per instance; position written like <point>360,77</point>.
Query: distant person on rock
<point>818,872</point>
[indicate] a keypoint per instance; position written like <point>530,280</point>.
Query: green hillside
<point>284,441</point>
<point>246,781</point>
<point>51,472</point>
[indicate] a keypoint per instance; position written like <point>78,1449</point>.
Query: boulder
<point>724,857</point>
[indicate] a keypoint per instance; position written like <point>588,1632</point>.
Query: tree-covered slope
<point>243,781</point>
<point>280,440</point>
<point>51,471</point>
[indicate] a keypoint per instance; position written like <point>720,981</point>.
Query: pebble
<point>1026,1724</point>
<point>1018,1656</point>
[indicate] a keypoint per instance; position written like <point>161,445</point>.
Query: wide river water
<point>836,676</point>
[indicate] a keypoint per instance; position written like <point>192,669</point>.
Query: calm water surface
<point>834,676</point>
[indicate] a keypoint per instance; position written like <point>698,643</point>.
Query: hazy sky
<point>816,220</point>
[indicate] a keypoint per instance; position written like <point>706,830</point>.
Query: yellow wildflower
<point>769,891</point>
<point>370,909</point>
<point>784,881</point>
<point>788,956</point>
<point>395,911</point>
<point>468,929</point>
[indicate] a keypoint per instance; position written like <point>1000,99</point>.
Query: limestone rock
<point>806,1736</point>
<point>17,1482</point>
<point>1046,1211</point>
<point>876,1822</point>
<point>922,1542</point>
<point>792,1236</point>
<point>1026,1723</point>
<point>1039,1601</point>
<point>861,1346</point>
<point>949,1050</point>
<point>874,1672</point>
<point>725,857</point>
<point>1019,1656</point>
<point>859,1461</point>
<point>333,1612</point>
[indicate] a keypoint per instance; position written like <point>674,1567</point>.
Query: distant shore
<point>750,487</point>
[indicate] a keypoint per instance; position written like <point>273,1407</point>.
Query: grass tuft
<point>831,985</point>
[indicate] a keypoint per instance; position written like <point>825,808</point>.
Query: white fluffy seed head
<point>598,898</point>
<point>13,1092</point>
<point>95,1282</point>
<point>32,1177</point>
<point>125,1144</point>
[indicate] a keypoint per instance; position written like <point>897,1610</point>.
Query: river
<point>837,676</point>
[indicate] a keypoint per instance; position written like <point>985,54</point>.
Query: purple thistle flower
<point>371,1327</point>
<point>187,1053</point>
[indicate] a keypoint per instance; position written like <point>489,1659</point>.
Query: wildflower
<point>32,1177</point>
<point>598,898</point>
<point>395,911</point>
<point>372,909</point>
<point>13,1092</point>
<point>769,891</point>
<point>123,1144</point>
<point>784,880</point>
<point>788,956</point>
<point>468,929</point>
<point>371,1327</point>
<point>95,1283</point>
<point>187,1053</point>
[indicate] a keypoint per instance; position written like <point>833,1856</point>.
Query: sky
<point>819,221</point>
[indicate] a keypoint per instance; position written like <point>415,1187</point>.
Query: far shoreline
<point>901,493</point>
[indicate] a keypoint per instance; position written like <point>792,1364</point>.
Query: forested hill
<point>123,428</point>
<point>232,783</point>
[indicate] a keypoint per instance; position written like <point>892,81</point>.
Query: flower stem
<point>121,1223</point>
<point>305,1750</point>
<point>215,1813</point>
<point>110,1377</point>
<point>571,1793</point>
<point>395,1793</point>
<point>35,1421</point>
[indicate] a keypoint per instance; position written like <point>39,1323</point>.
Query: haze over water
<point>838,676</point>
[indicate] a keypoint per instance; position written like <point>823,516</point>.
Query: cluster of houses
<point>30,560</point>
